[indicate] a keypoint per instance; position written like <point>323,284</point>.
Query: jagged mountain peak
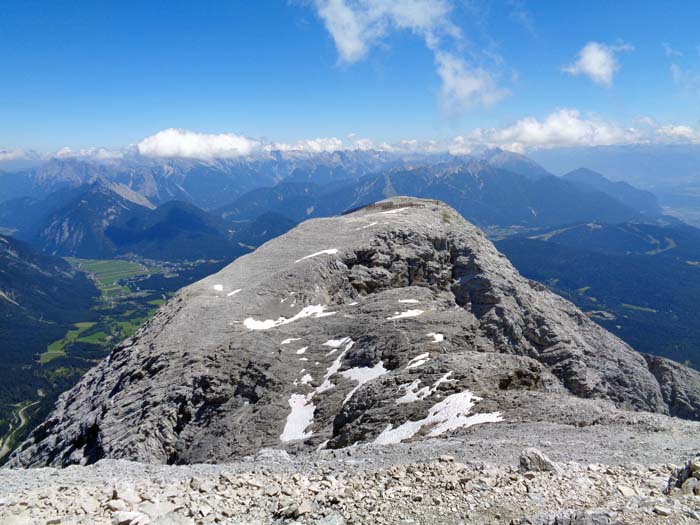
<point>395,322</point>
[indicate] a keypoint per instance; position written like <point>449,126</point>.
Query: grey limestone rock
<point>396,322</point>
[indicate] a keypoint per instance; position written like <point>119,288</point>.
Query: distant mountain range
<point>170,209</point>
<point>95,221</point>
<point>671,171</point>
<point>484,194</point>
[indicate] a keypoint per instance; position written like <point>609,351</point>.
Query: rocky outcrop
<point>397,322</point>
<point>680,386</point>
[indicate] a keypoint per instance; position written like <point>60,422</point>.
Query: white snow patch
<point>306,379</point>
<point>448,414</point>
<point>308,311</point>
<point>327,385</point>
<point>408,313</point>
<point>413,393</point>
<point>437,338</point>
<point>355,303</point>
<point>302,350</point>
<point>367,226</point>
<point>218,287</point>
<point>335,344</point>
<point>332,251</point>
<point>298,420</point>
<point>231,294</point>
<point>287,341</point>
<point>302,414</point>
<point>409,301</point>
<point>418,360</point>
<point>363,375</point>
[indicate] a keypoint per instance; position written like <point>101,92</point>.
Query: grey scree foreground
<point>386,366</point>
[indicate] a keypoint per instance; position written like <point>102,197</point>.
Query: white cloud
<point>687,79</point>
<point>189,144</point>
<point>565,127</point>
<point>7,155</point>
<point>669,51</point>
<point>181,143</point>
<point>91,153</point>
<point>598,62</point>
<point>676,133</point>
<point>464,87</point>
<point>319,145</point>
<point>358,25</point>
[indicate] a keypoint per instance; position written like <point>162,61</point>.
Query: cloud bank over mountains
<point>561,128</point>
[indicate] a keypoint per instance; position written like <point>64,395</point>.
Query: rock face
<point>397,322</point>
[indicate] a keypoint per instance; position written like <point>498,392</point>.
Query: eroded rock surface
<point>394,323</point>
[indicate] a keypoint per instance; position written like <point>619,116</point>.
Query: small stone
<point>662,511</point>
<point>196,483</point>
<point>626,491</point>
<point>117,505</point>
<point>690,486</point>
<point>534,460</point>
<point>305,508</point>
<point>90,505</point>
<point>332,519</point>
<point>127,494</point>
<point>129,518</point>
<point>695,465</point>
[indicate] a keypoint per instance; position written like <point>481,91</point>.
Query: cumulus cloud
<point>565,127</point>
<point>462,86</point>
<point>358,25</point>
<point>598,62</point>
<point>7,155</point>
<point>318,145</point>
<point>189,144</point>
<point>91,153</point>
<point>676,133</point>
<point>181,143</point>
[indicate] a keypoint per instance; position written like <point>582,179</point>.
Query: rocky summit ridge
<point>395,323</point>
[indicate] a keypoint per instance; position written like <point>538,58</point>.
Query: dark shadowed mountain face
<point>79,227</point>
<point>172,232</point>
<point>671,171</point>
<point>640,200</point>
<point>100,221</point>
<point>295,200</point>
<point>483,194</point>
<point>397,322</point>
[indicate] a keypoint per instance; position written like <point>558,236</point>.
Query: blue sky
<point>84,74</point>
